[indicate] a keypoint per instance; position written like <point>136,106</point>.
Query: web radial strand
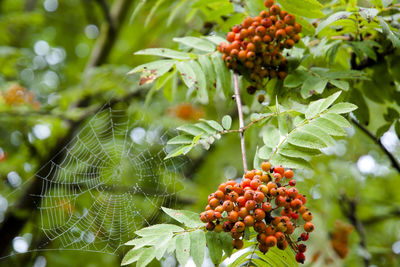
<point>111,181</point>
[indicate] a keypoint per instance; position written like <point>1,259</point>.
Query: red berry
<point>302,248</point>
<point>304,236</point>
<point>300,257</point>
<point>292,182</point>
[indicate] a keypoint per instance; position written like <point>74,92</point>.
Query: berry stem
<point>241,122</point>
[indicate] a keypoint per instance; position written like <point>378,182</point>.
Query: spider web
<point>112,181</point>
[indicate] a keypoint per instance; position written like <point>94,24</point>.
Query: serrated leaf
<point>153,70</point>
<point>283,129</point>
<point>223,74</point>
<point>146,257</point>
<point>332,18</point>
<point>132,256</point>
<point>271,136</point>
<point>214,124</point>
<point>316,107</point>
<point>200,85</point>
<point>182,249</point>
<point>206,128</point>
<point>158,229</point>
<point>304,8</point>
<point>265,152</point>
<point>165,52</point>
<point>191,129</point>
<point>305,139</point>
<point>188,218</point>
<point>197,246</point>
<point>208,69</point>
<point>328,126</point>
<point>187,73</point>
<point>214,247</point>
<point>313,85</point>
<point>162,247</point>
<point>180,139</point>
<point>337,119</point>
<point>179,151</point>
<point>319,132</point>
<point>150,240</point>
<point>227,122</point>
<point>290,150</point>
<point>389,33</point>
<point>226,241</point>
<point>341,108</point>
<point>340,84</point>
<point>289,162</point>
<point>198,43</point>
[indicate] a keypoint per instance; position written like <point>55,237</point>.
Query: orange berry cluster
<point>265,200</point>
<point>255,46</point>
<point>17,95</point>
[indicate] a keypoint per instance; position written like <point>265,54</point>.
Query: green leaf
<point>132,256</point>
<point>198,43</point>
<point>340,84</point>
<point>383,129</point>
<point>206,128</point>
<point>164,52</point>
<point>150,240</point>
<point>214,247</point>
<point>328,126</point>
<point>200,84</point>
<point>223,74</point>
<point>188,218</point>
<point>283,129</point>
<point>153,10</point>
<point>146,257</point>
<point>227,122</point>
<point>337,119</point>
<point>162,247</point>
<point>153,70</point>
<point>197,246</point>
<point>296,78</point>
<point>304,8</point>
<point>182,248</point>
<point>214,124</point>
<point>187,73</point>
<point>289,162</point>
<point>319,132</point>
<point>271,136</point>
<point>341,108</point>
<point>180,139</point>
<point>265,152</point>
<point>290,150</point>
<point>312,85</point>
<point>389,33</point>
<point>316,107</point>
<point>179,151</point>
<point>362,113</point>
<point>305,139</point>
<point>158,229</point>
<point>215,39</point>
<point>226,242</point>
<point>191,129</point>
<point>208,69</point>
<point>332,18</point>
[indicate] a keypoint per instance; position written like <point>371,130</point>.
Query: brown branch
<point>108,34</point>
<point>241,122</point>
<point>16,218</point>
<point>349,208</point>
<point>378,141</point>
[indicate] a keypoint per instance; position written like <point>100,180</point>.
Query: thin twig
<point>349,208</point>
<point>252,254</point>
<point>378,141</point>
<point>241,122</point>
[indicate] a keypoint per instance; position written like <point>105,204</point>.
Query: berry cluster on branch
<point>255,46</point>
<point>265,200</point>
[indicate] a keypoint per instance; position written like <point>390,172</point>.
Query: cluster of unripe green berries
<point>255,46</point>
<point>265,200</point>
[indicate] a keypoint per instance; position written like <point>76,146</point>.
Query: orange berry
<point>280,34</point>
<point>231,37</point>
<point>279,169</point>
<point>277,177</point>
<point>233,196</point>
<point>260,30</point>
<point>247,22</point>
<point>269,231</point>
<point>267,207</point>
<point>237,243</point>
<point>292,192</point>
<point>297,27</point>
<point>266,166</point>
<point>246,181</point>
<point>280,236</point>
<point>280,24</point>
<point>243,212</point>
<point>210,215</point>
<point>259,226</point>
<point>259,196</point>
<point>296,204</point>
<point>248,220</point>
<point>218,228</point>
<point>255,183</point>
<point>263,247</point>
<point>296,38</point>
<point>203,217</point>
<point>289,31</point>
<point>241,201</point>
<point>239,226</point>
<point>307,216</point>
<point>227,226</point>
<point>233,216</point>
<point>259,214</point>
<point>238,188</point>
<point>210,226</point>
<point>275,10</point>
<point>267,22</point>
<point>282,245</point>
<point>219,194</point>
<point>250,205</point>
<point>236,234</point>
<point>270,241</point>
<point>289,43</point>
<point>308,227</point>
<point>228,205</point>
<point>268,3</point>
<point>249,194</point>
<point>219,209</point>
<point>290,19</point>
